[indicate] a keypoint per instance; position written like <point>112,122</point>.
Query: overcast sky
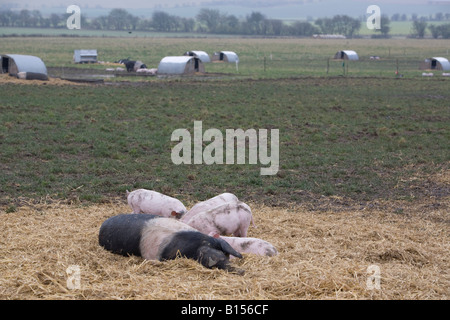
<point>273,9</point>
<point>151,3</point>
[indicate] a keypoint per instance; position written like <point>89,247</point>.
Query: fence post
<point>328,65</point>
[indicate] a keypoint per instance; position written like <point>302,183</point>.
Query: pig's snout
<point>213,258</point>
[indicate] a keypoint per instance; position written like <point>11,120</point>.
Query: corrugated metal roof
<point>83,55</point>
<point>83,52</point>
<point>173,64</point>
<point>202,55</point>
<point>231,56</point>
<point>27,63</point>
<point>352,55</point>
<point>444,63</point>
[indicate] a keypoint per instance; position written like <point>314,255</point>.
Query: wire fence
<point>373,66</point>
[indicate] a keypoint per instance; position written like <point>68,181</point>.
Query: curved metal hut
<point>346,55</point>
<point>24,66</point>
<point>202,55</point>
<point>181,65</point>
<point>226,56</point>
<point>435,63</point>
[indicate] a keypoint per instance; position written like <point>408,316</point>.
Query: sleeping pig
<point>152,202</point>
<point>157,238</point>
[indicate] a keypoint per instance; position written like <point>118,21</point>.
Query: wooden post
<point>328,65</point>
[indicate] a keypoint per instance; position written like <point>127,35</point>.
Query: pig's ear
<point>228,249</point>
<point>173,213</point>
<point>214,235</point>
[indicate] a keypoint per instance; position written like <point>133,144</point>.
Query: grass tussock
<point>321,256</point>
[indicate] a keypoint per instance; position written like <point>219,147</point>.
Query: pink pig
<point>209,204</point>
<point>229,218</point>
<point>152,202</point>
<point>249,245</point>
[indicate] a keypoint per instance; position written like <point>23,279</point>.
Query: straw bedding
<point>322,255</point>
<point>6,79</point>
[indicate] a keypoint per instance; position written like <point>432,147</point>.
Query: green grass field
<point>283,57</point>
<point>364,136</point>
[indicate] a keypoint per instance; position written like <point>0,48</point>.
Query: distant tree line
<point>339,24</point>
<point>441,31</point>
<point>214,21</point>
<point>206,21</point>
<point>414,17</point>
